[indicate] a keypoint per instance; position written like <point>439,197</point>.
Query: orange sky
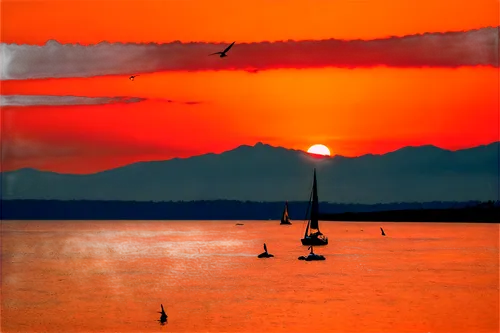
<point>352,111</point>
<point>87,21</point>
<point>389,114</point>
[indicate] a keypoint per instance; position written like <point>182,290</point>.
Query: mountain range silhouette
<point>266,173</point>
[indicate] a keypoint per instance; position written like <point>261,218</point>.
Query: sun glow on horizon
<point>319,149</point>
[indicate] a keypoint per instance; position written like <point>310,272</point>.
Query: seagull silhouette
<point>223,53</point>
<point>132,77</point>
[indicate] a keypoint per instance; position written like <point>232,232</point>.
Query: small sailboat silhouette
<point>265,254</point>
<point>285,219</point>
<point>163,317</point>
<point>312,256</point>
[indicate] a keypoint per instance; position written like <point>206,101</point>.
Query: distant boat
<point>285,219</point>
<point>265,254</point>
<point>313,235</point>
<point>163,317</point>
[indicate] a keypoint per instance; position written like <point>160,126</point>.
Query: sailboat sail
<point>307,214</point>
<point>285,219</point>
<point>307,229</point>
<point>315,205</point>
<point>285,212</point>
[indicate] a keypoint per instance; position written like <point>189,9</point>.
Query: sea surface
<point>112,276</point>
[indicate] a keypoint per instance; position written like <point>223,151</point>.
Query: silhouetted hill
<point>266,173</point>
<point>216,210</point>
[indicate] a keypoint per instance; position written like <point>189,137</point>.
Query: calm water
<point>111,276</point>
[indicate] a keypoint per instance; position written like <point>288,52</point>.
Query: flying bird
<point>223,53</point>
<point>132,77</point>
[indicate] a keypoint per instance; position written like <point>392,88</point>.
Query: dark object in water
<point>239,223</point>
<point>285,219</point>
<point>312,256</point>
<point>163,317</point>
<point>383,233</point>
<point>316,237</point>
<point>265,254</point>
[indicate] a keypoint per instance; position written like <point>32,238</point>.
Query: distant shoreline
<point>472,211</point>
<point>460,215</point>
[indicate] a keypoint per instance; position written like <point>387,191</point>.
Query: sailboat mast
<point>307,215</point>
<point>315,205</point>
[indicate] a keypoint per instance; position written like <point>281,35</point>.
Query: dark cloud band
<point>53,60</point>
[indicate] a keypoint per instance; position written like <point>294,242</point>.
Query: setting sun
<point>319,150</point>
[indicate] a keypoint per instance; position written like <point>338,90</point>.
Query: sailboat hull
<point>312,257</point>
<point>286,222</point>
<point>314,241</point>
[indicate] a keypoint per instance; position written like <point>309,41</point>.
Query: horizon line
<point>258,143</point>
<point>260,202</point>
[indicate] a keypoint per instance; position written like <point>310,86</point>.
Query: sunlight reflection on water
<point>209,278</point>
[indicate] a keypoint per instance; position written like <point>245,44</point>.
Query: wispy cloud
<point>56,100</point>
<point>448,49</point>
<point>52,100</point>
<point>22,146</point>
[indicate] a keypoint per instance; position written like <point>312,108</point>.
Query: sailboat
<point>312,256</point>
<point>313,235</point>
<point>265,254</point>
<point>285,219</point>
